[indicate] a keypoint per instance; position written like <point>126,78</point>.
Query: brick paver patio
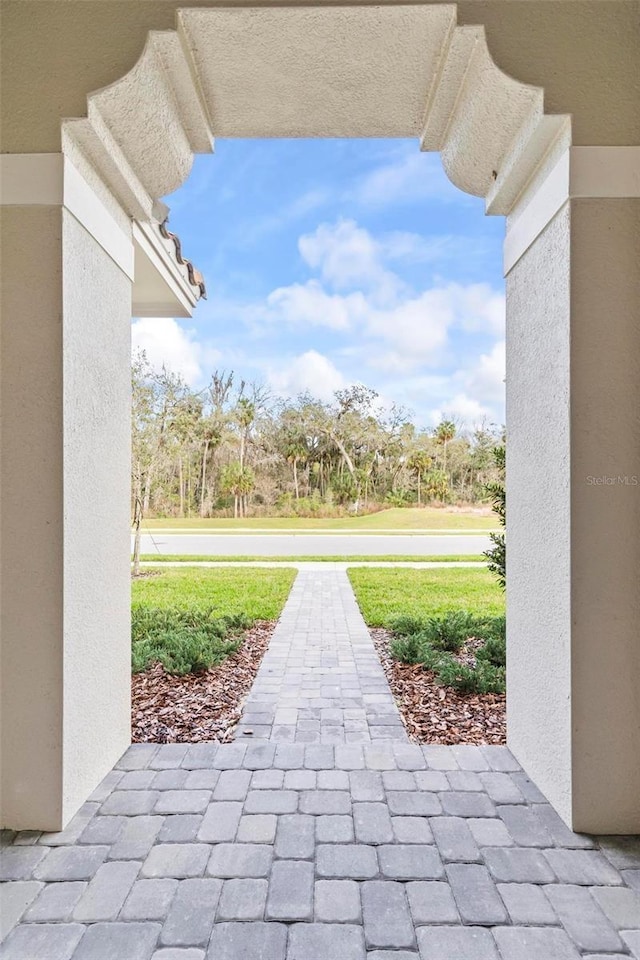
<point>329,850</point>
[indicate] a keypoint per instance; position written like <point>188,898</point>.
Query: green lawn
<point>393,558</point>
<point>384,595</point>
<point>402,520</point>
<point>259,594</point>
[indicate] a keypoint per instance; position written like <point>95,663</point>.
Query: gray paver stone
<point>501,787</point>
<point>230,860</point>
<point>404,862</point>
<point>55,941</point>
<point>137,780</point>
<point>149,900</point>
<point>242,899</point>
<point>621,905</point>
<point>18,863</point>
<point>190,919</point>
<point>372,823</point>
<point>103,830</point>
<point>582,918</point>
<point>460,804</point>
<point>295,838</point>
<point>346,861</point>
<point>268,779</point>
<point>392,955</point>
<point>258,941</point>
<point>137,838</point>
<point>114,941</point>
<point>439,757</point>
<point>319,757</point>
<point>178,860</point>
<point>632,940</point>
<point>180,828</point>
<point>456,943</point>
<point>490,832</point>
<point>130,803</point>
<point>431,901</point>
<point>585,867</point>
<point>300,779</point>
<point>387,921</point>
<point>476,895</point>
<point>232,785</point>
<point>220,822</point>
<point>366,785</point>
<point>464,780</point>
<point>337,901</point>
<point>432,780</point>
<point>171,780</point>
<point>512,865</point>
<point>182,801</point>
<point>257,828</point>
<point>313,941</point>
<point>527,904</point>
<point>413,803</point>
<point>70,863</point>
<point>15,898</point>
<point>178,953</point>
<point>623,852</point>
<point>534,943</point>
<point>324,802</point>
<point>525,826</point>
<point>454,839</point>
<point>104,897</point>
<point>412,830</point>
<point>334,829</point>
<point>202,779</point>
<point>271,801</point>
<point>398,780</point>
<point>290,891</point>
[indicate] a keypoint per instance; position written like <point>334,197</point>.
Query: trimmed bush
<point>183,641</point>
<point>434,642</point>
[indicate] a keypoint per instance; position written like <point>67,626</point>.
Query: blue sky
<point>330,262</point>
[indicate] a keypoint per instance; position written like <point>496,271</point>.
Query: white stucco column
<point>67,263</point>
<point>573,486</point>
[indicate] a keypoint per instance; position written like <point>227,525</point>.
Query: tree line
<point>235,449</point>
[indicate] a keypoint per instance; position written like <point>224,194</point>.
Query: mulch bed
<point>204,706</point>
<point>433,713</point>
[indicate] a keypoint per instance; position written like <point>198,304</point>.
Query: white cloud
<point>310,371</point>
<point>409,176</point>
<point>486,378</point>
<point>167,344</point>
<point>344,254</point>
<point>310,305</point>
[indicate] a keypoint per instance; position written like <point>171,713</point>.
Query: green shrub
<point>183,641</point>
<point>452,630</point>
<point>494,651</point>
<point>433,643</point>
<point>483,678</point>
<point>405,625</point>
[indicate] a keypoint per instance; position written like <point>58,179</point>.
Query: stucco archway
<point>388,70</point>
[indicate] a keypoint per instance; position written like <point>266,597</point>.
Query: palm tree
<point>419,462</point>
<point>445,431</point>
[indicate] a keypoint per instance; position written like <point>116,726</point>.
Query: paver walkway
<point>269,850</point>
<point>321,680</point>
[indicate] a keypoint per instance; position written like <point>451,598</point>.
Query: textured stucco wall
<point>538,520</point>
<point>573,593</point>
<point>97,478</point>
<point>65,515</point>
<point>31,531</point>
<point>605,517</point>
<point>568,48</point>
